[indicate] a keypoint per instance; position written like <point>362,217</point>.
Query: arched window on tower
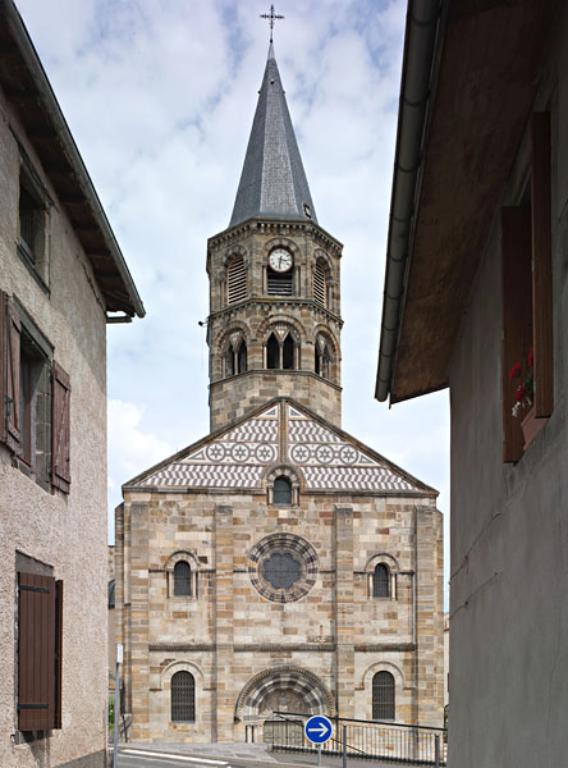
<point>288,353</point>
<point>280,273</point>
<point>323,357</point>
<point>183,697</point>
<point>282,492</point>
<point>236,280</point>
<point>381,581</point>
<point>383,696</point>
<point>282,355</point>
<point>322,283</point>
<point>235,357</point>
<point>242,357</point>
<point>182,579</point>
<point>272,352</point>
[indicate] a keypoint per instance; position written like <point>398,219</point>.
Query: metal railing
<point>414,744</point>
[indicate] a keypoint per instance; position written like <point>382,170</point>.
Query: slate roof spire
<point>273,181</point>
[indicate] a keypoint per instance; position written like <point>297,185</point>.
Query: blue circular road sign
<point>318,729</point>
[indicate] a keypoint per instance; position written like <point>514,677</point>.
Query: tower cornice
<point>282,226</point>
<point>254,303</point>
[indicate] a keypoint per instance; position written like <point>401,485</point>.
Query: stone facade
<point>282,523</point>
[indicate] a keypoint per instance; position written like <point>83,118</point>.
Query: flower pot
<point>531,426</point>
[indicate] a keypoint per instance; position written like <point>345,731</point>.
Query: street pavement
<point>170,755</point>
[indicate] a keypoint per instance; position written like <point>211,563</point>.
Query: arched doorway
<point>284,689</point>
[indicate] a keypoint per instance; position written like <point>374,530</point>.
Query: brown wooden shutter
<point>542,266</point>
<point>517,321</point>
<point>58,660</point>
<point>60,429</point>
<point>36,652</point>
<point>10,409</point>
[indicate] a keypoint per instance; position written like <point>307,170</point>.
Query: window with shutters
<point>321,282</point>
<point>381,581</point>
<point>28,394</point>
<point>182,697</point>
<point>383,696</point>
<point>236,280</point>
<point>39,652</point>
<point>527,358</point>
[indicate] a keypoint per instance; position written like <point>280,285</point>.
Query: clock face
<point>280,260</point>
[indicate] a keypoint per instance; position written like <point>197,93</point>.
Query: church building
<point>277,564</point>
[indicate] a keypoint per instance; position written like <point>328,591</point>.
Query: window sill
<point>531,426</point>
<point>23,253</point>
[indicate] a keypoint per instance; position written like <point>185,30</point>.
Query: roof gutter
<point>422,30</point>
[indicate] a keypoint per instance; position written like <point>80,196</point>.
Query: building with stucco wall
<point>62,277</point>
<point>476,299</point>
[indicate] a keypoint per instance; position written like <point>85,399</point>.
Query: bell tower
<point>275,317</point>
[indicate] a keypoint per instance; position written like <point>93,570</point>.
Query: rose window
<point>283,567</point>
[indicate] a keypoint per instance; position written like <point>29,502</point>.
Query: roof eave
<point>128,300</point>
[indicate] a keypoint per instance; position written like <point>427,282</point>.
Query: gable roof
<point>277,433</point>
<point>26,86</point>
<point>273,181</point>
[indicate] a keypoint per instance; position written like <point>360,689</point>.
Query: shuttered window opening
<point>61,434</point>
<point>280,284</point>
<point>321,283</point>
<point>236,280</point>
<point>39,662</point>
<point>381,581</point>
<point>383,696</point>
<point>183,697</point>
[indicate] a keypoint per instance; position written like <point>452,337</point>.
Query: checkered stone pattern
<point>329,462</point>
<point>236,459</point>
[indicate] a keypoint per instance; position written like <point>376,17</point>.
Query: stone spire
<point>273,181</point>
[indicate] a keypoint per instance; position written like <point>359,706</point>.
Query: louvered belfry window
<point>182,579</point>
<point>381,581</point>
<point>321,282</point>
<point>383,696</point>
<point>183,697</point>
<point>280,284</point>
<point>236,280</point>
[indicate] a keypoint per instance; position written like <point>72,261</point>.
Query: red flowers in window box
<point>523,393</point>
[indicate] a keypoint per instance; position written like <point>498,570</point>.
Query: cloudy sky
<point>160,96</point>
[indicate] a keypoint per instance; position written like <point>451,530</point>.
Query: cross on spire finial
<point>272,17</point>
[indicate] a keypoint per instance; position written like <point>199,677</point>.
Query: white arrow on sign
<point>321,730</point>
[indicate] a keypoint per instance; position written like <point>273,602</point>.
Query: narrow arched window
<point>236,280</point>
<point>182,579</point>
<point>272,352</point>
<point>321,283</point>
<point>112,594</point>
<point>383,696</point>
<point>183,698</point>
<point>230,361</point>
<point>381,581</point>
<point>242,357</point>
<point>323,364</point>
<point>288,353</point>
<point>282,491</point>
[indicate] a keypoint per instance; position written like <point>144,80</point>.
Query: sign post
<point>119,660</point>
<point>319,730</point>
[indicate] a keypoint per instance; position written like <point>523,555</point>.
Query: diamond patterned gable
<point>239,458</point>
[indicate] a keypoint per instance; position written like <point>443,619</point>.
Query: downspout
<point>422,25</point>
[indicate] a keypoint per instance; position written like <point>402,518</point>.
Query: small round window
<point>283,567</point>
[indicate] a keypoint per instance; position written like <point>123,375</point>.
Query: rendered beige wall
<point>66,532</point>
